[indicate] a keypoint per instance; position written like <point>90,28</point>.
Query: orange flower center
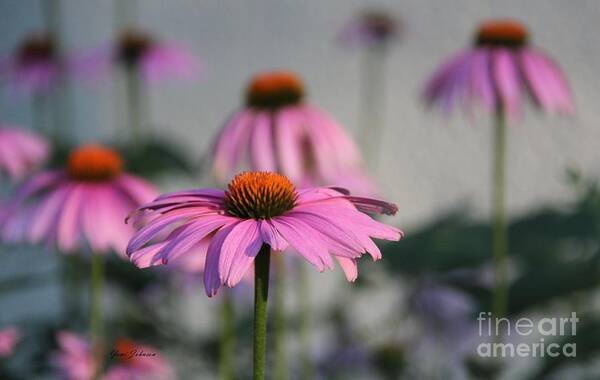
<point>35,49</point>
<point>506,33</point>
<point>259,195</point>
<point>94,163</point>
<point>132,46</point>
<point>274,90</point>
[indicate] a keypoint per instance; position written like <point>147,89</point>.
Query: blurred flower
<point>138,362</point>
<point>34,66</point>
<point>260,208</point>
<point>279,132</point>
<point>135,50</point>
<point>131,361</point>
<point>9,338</point>
<point>20,151</point>
<point>89,199</point>
<point>74,359</point>
<point>372,28</point>
<point>497,70</point>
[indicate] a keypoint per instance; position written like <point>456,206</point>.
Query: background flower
<point>21,151</point>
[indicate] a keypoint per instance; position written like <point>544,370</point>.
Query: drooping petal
<point>289,143</point>
<point>349,266</point>
<point>212,278</point>
<point>507,81</point>
<point>546,82</point>
<point>262,149</point>
<point>239,250</point>
<point>272,237</point>
<point>231,143</point>
<point>481,84</point>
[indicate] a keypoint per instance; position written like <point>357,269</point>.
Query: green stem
<point>372,103</point>
<point>227,338</point>
<point>134,101</point>
<point>280,362</point>
<point>261,293</point>
<point>96,327</point>
<point>500,236</point>
<point>304,305</point>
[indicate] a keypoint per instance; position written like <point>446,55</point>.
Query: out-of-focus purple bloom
<point>34,66</point>
<point>21,151</point>
<point>498,71</point>
<point>9,338</point>
<point>135,50</point>
<point>276,131</point>
<point>372,28</point>
<point>82,205</point>
<point>259,208</point>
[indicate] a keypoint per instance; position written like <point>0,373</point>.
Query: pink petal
<point>239,250</point>
<point>507,80</point>
<point>262,149</point>
<point>212,278</point>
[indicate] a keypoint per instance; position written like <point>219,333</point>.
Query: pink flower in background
<point>34,66</point>
<point>499,70</point>
<point>277,131</point>
<point>74,359</point>
<point>21,151</point>
<point>9,338</point>
<point>372,28</point>
<point>155,60</point>
<point>130,361</point>
<point>259,208</point>
<point>83,204</point>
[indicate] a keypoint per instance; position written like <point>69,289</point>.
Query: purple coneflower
<point>9,338</point>
<point>277,131</point>
<point>260,208</point>
<point>497,72</point>
<point>34,66</point>
<point>20,151</point>
<point>260,212</point>
<point>86,201</point>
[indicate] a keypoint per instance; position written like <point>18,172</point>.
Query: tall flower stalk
<point>96,316</point>
<point>495,73</point>
<point>372,31</point>
<point>262,265</point>
<point>499,234</point>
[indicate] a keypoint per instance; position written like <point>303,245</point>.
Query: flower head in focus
<point>82,205</point>
<point>277,131</point>
<point>498,71</point>
<point>21,151</point>
<point>155,60</point>
<point>259,208</point>
<point>34,66</point>
<point>371,28</point>
<point>9,338</point>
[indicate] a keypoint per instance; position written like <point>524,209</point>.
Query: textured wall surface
<point>427,164</point>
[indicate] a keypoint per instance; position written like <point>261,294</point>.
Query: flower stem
<point>499,235</point>
<point>134,109</point>
<point>96,333</point>
<point>304,300</point>
<point>372,103</point>
<point>227,338</point>
<point>280,362</point>
<point>261,293</point>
